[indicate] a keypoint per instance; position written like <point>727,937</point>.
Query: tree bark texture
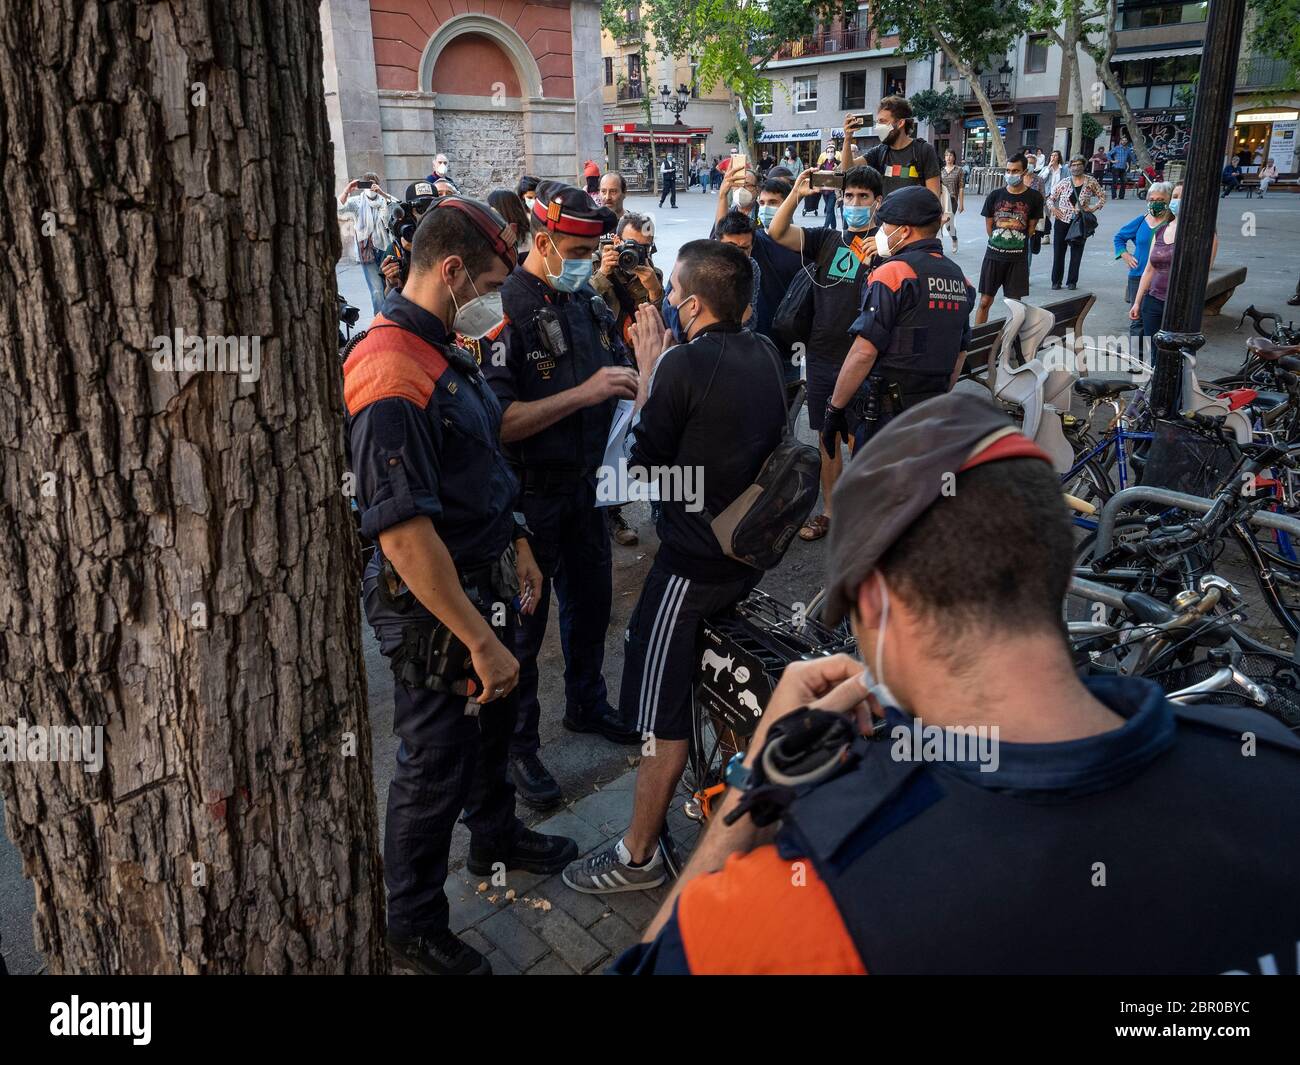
<point>178,565</point>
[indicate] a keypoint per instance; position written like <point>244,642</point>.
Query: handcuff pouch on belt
<point>430,655</point>
<point>878,396</point>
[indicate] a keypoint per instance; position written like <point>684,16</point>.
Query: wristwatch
<point>737,775</point>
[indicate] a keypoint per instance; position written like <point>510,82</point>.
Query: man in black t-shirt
<point>901,159</point>
<point>1011,216</point>
<point>841,262</point>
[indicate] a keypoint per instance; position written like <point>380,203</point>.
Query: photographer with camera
<point>626,275</point>
<point>1043,830</point>
<point>453,567</point>
<point>367,203</point>
<point>403,217</point>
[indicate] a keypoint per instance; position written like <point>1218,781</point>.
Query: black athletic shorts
<point>821,375</point>
<point>661,649</point>
<point>1009,275</point>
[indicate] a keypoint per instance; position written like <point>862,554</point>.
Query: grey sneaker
<point>611,870</point>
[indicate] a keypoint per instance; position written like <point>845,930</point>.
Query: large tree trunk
<point>177,566</point>
<point>1101,56</point>
<point>981,97</point>
<point>647,101</point>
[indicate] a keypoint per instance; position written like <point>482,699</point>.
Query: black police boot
<point>604,721</point>
<point>441,954</point>
<point>533,783</point>
<point>530,852</point>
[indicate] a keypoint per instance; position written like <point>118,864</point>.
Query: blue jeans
<point>1153,311</point>
<point>374,282</point>
<point>828,198</point>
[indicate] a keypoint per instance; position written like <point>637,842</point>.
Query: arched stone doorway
<point>484,81</point>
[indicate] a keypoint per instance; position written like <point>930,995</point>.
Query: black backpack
<point>759,525</point>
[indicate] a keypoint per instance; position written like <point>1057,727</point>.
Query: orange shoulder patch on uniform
<point>761,914</point>
<point>892,273</point>
<point>385,374</point>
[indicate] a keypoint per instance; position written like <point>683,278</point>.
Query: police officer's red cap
<point>495,230</point>
<point>565,209</point>
<point>904,469</point>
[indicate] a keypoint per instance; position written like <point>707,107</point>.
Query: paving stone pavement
<point>535,926</point>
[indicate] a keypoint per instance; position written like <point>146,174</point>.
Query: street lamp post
<point>1180,333</point>
<point>675,102</point>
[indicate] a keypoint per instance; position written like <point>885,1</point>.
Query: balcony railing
<point>826,43</point>
<point>630,90</point>
<point>1262,72</point>
<point>992,86</point>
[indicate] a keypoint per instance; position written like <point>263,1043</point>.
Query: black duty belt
<point>430,655</point>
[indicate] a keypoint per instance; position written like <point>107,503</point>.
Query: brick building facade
<point>503,87</point>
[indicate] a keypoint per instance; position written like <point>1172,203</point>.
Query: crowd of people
<point>523,344</point>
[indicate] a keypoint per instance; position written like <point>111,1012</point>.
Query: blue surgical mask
<point>1014,179</point>
<point>1173,206</point>
<point>856,216</point>
<point>574,273</point>
<point>766,214</point>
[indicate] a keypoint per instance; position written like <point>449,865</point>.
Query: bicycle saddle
<point>1265,349</point>
<point>1103,387</point>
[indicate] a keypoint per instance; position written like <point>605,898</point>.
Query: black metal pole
<point>1180,333</point>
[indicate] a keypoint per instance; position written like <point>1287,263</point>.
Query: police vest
<point>926,340</point>
<point>576,442</point>
<point>1188,865</point>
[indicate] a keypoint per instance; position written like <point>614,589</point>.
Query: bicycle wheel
<point>1090,482</point>
<point>713,742</point>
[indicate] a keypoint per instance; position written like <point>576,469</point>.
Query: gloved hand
<point>834,426</point>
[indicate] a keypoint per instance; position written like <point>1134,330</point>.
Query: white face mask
<point>882,243</point>
<point>884,130</point>
<point>742,198</point>
<point>439,168</point>
<point>875,683</point>
<point>478,317</point>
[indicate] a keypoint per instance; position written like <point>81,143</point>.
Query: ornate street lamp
<point>675,103</point>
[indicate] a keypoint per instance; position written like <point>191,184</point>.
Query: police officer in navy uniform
<point>559,369</point>
<point>912,332</point>
<point>452,567</point>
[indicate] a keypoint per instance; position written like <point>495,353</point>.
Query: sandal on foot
<point>815,528</point>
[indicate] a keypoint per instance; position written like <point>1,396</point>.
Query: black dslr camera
<point>403,217</point>
<point>630,253</point>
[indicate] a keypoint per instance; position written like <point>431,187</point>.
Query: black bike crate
<point>743,652</point>
<point>1186,461</point>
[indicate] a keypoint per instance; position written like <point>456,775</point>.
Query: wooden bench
<point>1251,186</point>
<point>1220,286</point>
<point>984,339</point>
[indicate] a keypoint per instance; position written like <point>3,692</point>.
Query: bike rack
<point>1100,593</point>
<point>1264,519</point>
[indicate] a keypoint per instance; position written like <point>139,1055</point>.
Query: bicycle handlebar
<point>1264,519</point>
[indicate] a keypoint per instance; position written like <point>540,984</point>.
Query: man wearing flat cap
<point>1010,817</point>
<point>911,334</point>
<point>559,368</point>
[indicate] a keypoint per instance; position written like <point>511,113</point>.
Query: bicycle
<point>749,645</point>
